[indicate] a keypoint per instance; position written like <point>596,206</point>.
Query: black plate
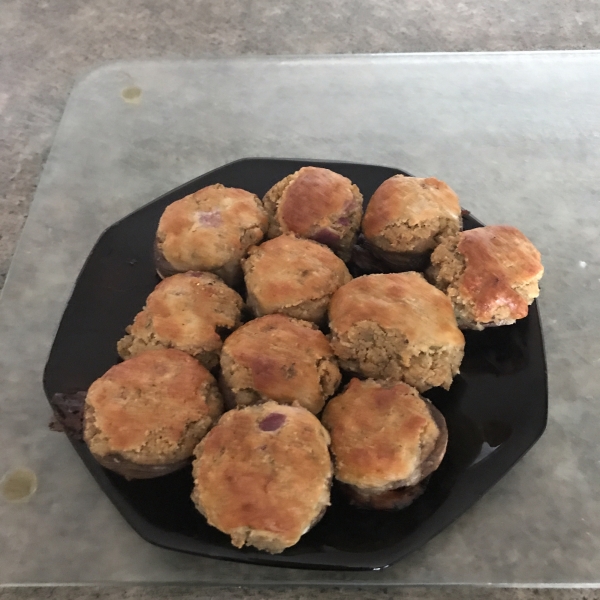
<point>496,409</point>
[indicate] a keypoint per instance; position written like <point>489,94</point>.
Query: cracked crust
<point>490,274</point>
<point>144,416</point>
<point>318,204</point>
<point>410,214</point>
<point>281,359</point>
<point>384,436</point>
<point>294,277</point>
<point>396,326</point>
<point>263,475</point>
<point>188,311</point>
<point>209,230</point>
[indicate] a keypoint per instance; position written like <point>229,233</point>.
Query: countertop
<point>45,46</point>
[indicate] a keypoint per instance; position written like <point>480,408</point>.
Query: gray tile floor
<point>46,45</point>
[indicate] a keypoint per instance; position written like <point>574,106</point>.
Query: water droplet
<point>18,485</point>
<point>132,94</point>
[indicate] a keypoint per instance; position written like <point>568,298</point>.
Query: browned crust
<point>396,499</point>
<point>279,358</point>
<point>411,214</point>
<point>285,273</point>
<point>367,259</point>
<point>396,326</point>
<point>163,267</point>
<point>271,201</point>
<point>188,311</point>
<point>433,461</point>
<point>263,488</point>
<point>384,435</point>
<point>402,302</point>
<point>230,272</point>
<point>500,261</point>
<point>209,230</point>
<point>150,410</point>
<point>319,204</point>
<point>399,261</point>
<point>491,274</point>
<point>312,198</point>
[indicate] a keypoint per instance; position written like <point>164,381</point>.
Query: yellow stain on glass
<point>132,94</point>
<point>18,485</point>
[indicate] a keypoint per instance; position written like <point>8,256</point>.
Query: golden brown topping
<point>502,268</point>
<point>263,485</point>
<point>281,359</point>
<point>313,197</point>
<point>381,434</point>
<point>410,200</point>
<point>210,227</point>
<point>402,301</point>
<point>149,399</point>
<point>187,311</point>
<point>287,271</point>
